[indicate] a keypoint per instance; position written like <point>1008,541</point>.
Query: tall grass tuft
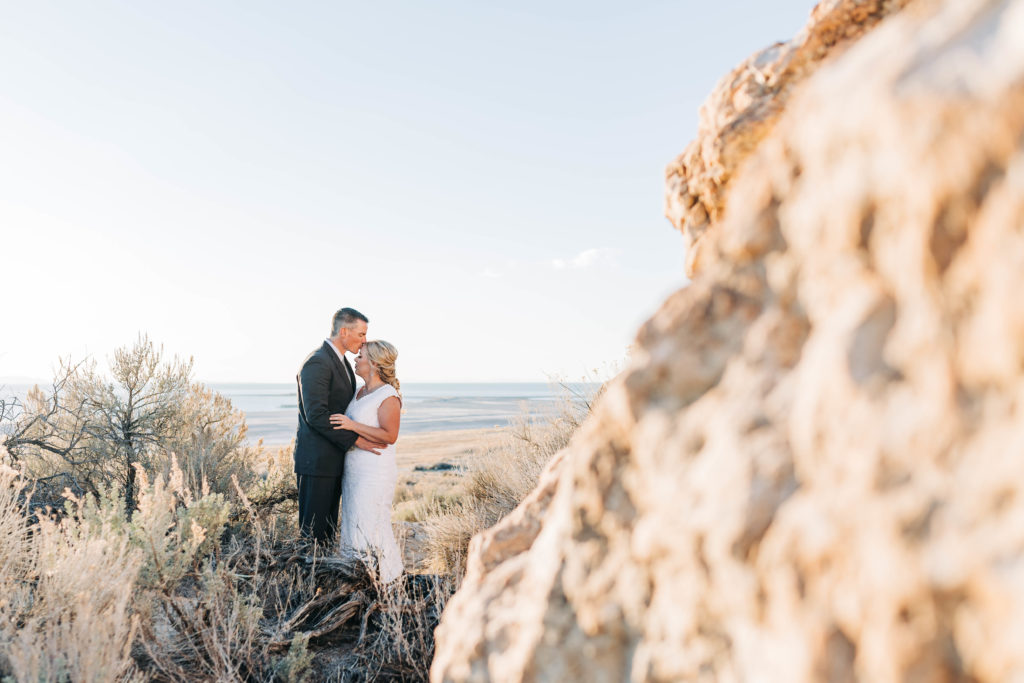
<point>499,480</point>
<point>66,586</point>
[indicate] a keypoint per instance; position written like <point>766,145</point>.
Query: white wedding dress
<point>367,489</point>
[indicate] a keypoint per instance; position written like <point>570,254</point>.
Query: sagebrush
<point>159,546</point>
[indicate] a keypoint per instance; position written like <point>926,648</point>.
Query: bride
<point>368,482</point>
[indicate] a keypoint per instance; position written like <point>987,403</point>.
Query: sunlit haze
<point>482,180</point>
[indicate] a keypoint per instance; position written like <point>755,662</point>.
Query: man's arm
<point>389,415</point>
<point>371,446</point>
<point>314,383</point>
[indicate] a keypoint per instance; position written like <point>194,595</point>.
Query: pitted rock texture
<point>744,108</point>
<point>814,467</point>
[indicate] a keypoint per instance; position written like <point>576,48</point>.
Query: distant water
<point>271,410</point>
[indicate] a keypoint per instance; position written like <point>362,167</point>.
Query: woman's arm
<point>389,414</point>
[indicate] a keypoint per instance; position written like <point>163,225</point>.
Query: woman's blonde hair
<point>383,355</point>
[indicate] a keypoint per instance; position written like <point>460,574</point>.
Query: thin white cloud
<point>494,271</point>
<point>601,256</point>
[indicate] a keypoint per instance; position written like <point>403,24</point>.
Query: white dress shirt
<point>341,356</point>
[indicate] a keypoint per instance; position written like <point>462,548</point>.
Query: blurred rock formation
<point>744,108</point>
<point>814,467</point>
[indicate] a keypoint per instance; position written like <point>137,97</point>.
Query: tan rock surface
<point>813,468</point>
<point>744,107</point>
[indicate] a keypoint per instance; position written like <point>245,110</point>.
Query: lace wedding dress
<point>367,489</point>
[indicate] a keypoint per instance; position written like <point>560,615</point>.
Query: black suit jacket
<point>326,385</point>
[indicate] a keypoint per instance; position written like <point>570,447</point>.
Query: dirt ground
<point>431,467</point>
<point>431,470</point>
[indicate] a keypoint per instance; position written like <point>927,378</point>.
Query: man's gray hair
<point>346,317</point>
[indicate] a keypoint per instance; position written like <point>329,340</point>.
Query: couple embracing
<point>345,444</point>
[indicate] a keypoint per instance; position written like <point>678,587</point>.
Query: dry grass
<point>194,587</point>
<point>66,611</point>
<point>200,584</point>
<point>498,481</point>
<point>423,502</point>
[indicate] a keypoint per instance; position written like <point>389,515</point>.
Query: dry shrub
<point>397,640</point>
<point>209,442</point>
<point>500,479</point>
<point>67,586</point>
<point>91,596</point>
<point>195,585</point>
<point>337,606</point>
<point>214,633</point>
<point>200,583</point>
<point>204,608</point>
<point>95,429</point>
<point>261,603</point>
<point>274,481</point>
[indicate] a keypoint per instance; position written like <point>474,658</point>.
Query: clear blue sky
<point>482,179</point>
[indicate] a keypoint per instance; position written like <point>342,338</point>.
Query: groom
<point>326,385</point>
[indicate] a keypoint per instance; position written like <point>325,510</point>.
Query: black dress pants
<point>318,507</point>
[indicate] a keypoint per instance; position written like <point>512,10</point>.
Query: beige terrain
<point>431,467</point>
<point>431,471</point>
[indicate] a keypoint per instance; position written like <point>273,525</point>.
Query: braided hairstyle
<point>382,356</point>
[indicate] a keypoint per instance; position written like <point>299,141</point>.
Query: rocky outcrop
<point>744,108</point>
<point>812,469</point>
